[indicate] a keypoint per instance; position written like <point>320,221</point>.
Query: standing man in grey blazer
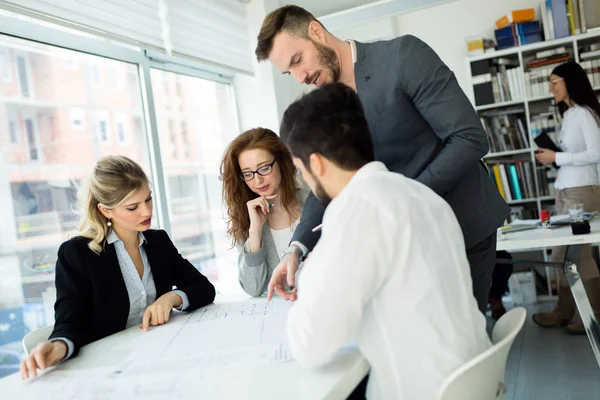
<point>422,125</point>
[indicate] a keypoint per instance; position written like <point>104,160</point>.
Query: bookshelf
<point>512,123</point>
<point>528,107</point>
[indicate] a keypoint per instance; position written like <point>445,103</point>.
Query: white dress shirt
<point>389,272</point>
<point>580,145</point>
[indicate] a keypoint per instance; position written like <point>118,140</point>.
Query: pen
<point>317,228</point>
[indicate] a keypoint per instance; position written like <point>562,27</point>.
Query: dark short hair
<point>329,121</point>
<point>291,19</point>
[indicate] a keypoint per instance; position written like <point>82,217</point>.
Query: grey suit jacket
<point>424,127</point>
<point>255,269</point>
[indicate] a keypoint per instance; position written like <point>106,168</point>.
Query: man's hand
<point>158,312</point>
<point>284,273</point>
<point>44,355</point>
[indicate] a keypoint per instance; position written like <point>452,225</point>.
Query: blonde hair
<point>114,180</point>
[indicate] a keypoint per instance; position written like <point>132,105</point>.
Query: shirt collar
<point>367,170</point>
<point>113,237</point>
<point>353,50</point>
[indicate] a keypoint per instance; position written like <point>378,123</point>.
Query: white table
<point>94,371</point>
<point>563,236</point>
<point>540,237</point>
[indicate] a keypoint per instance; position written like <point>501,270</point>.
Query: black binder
<point>544,141</point>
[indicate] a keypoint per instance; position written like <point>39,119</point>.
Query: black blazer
<point>91,297</point>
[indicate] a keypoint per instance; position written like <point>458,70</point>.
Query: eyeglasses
<point>262,171</point>
<point>554,82</point>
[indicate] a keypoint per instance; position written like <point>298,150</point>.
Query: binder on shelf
<point>515,182</point>
<point>560,20</point>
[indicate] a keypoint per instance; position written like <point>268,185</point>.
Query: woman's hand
<point>158,312</point>
<point>44,355</point>
<point>545,156</point>
<point>258,209</point>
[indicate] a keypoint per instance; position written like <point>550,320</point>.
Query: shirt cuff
<point>301,246</point>
<point>70,347</point>
<point>563,158</point>
<point>185,300</point>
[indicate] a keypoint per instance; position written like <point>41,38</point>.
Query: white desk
<point>541,238</point>
<point>93,374</point>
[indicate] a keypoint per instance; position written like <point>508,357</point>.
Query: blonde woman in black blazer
<point>117,272</point>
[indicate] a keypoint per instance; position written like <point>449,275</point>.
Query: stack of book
<point>539,69</point>
<point>546,177</point>
<point>518,34</point>
<point>505,130</point>
<point>513,178</point>
<point>545,123</point>
<point>497,80</point>
<point>562,18</point>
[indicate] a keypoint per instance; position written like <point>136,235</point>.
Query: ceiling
<point>323,7</point>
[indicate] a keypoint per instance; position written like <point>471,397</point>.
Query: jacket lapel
<point>362,76</point>
<point>159,270</point>
<point>109,268</point>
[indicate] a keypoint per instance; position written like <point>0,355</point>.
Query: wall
<point>446,26</point>
<point>256,95</point>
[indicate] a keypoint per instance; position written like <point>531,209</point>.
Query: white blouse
<point>580,145</point>
<point>282,237</point>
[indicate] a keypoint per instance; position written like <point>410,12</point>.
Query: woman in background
<point>576,183</point>
<point>117,273</point>
<point>264,204</point>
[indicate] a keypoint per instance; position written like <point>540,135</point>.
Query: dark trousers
<point>502,273</point>
<point>482,259</point>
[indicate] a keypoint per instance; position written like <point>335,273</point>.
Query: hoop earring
<point>109,223</point>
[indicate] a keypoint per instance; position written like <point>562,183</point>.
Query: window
<point>53,149</point>
<point>172,139</point>
<point>194,190</point>
<point>5,66</point>
<point>12,132</point>
<point>23,76</point>
<point>102,129</point>
<point>184,139</point>
<point>179,92</point>
<point>70,63</point>
<point>95,75</point>
<point>120,124</point>
<point>77,118</point>
<point>115,78</point>
<point>31,140</point>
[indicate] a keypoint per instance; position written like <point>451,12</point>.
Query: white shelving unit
<point>572,43</point>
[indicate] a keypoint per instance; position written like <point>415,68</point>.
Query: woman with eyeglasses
<point>576,182</point>
<point>264,203</point>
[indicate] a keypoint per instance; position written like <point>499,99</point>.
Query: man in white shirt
<point>390,270</point>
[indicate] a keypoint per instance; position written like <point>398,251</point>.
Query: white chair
<point>36,336</point>
<point>482,378</point>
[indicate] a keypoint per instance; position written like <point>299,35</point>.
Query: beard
<point>328,61</point>
<point>321,194</point>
